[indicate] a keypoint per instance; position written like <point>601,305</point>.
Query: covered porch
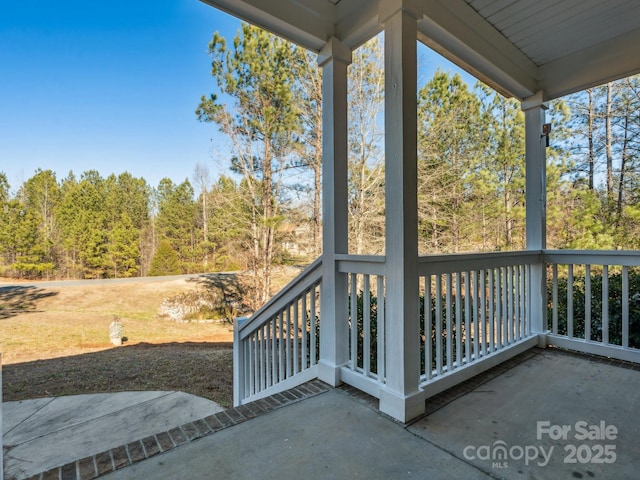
<point>526,418</point>
<point>404,327</point>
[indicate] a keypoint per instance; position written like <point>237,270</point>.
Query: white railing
<point>473,307</point>
<point>366,319</point>
<point>479,309</point>
<point>278,347</point>
<point>476,310</point>
<point>594,302</point>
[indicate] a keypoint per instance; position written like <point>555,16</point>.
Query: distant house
<point>298,240</point>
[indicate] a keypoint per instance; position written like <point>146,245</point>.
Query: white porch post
<point>334,331</point>
<point>400,398</point>
<point>536,207</point>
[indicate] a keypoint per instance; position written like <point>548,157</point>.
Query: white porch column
<point>536,206</point>
<point>400,398</point>
<point>334,330</point>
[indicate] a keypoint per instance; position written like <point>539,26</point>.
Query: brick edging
<point>119,457</point>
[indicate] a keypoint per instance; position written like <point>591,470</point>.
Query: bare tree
<point>202,179</point>
<point>366,170</point>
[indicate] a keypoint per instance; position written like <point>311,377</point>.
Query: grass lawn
<point>55,341</point>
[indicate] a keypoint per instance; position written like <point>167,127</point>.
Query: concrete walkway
<point>49,432</point>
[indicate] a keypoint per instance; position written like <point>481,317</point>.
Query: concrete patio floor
<point>544,414</point>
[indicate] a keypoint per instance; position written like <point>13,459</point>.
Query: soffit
<point>519,47</point>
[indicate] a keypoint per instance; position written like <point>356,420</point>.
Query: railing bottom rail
<point>447,380</point>
<point>435,385</point>
<point>287,384</point>
<point>594,348</point>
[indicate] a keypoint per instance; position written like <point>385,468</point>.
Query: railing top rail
<point>360,258</point>
<point>454,262</point>
<point>368,264</point>
<point>593,257</point>
<point>306,278</point>
<point>477,255</point>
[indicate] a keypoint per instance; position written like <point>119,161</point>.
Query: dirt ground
<point>55,341</point>
<point>200,368</point>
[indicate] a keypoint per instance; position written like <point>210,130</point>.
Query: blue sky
<point>111,86</point>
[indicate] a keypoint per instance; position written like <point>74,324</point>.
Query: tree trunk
<point>592,154</point>
<point>317,204</point>
<point>508,221</point>
<point>623,166</point>
<point>205,227</point>
<point>267,226</point>
<point>609,141</point>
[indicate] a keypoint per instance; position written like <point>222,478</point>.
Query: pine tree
<point>504,166</point>
<point>31,226</point>
<point>448,148</point>
<point>257,73</point>
<point>176,221</point>
<point>166,261</point>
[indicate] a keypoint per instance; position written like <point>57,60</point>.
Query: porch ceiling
<point>519,47</point>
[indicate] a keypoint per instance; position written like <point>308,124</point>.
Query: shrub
<point>614,310</point>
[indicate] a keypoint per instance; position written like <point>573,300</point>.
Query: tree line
<point>266,210</point>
